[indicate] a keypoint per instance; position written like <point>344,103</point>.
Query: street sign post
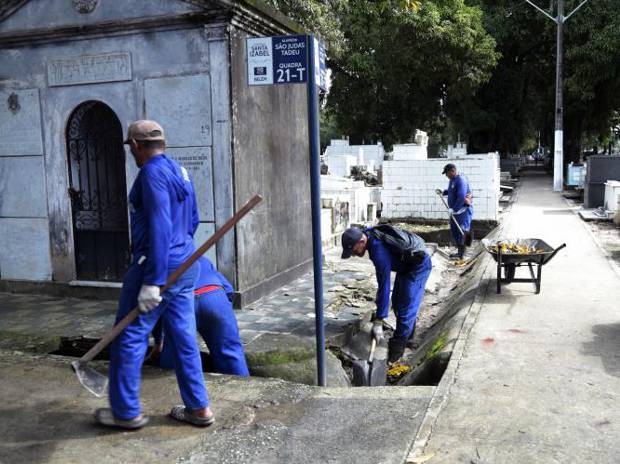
<point>297,59</point>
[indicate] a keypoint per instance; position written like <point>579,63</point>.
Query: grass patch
<point>437,346</point>
<point>275,358</point>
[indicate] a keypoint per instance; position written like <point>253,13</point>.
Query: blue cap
<point>448,167</point>
<point>349,238</point>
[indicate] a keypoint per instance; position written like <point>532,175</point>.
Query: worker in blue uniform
<point>408,285</point>
<point>460,204</point>
<point>216,323</point>
<point>163,220</point>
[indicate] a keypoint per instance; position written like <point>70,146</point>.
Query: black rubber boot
<point>396,348</point>
<point>461,252</point>
<point>410,344</point>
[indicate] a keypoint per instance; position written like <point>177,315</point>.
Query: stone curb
<point>442,391</point>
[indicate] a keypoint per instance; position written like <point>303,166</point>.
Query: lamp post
<point>558,149</point>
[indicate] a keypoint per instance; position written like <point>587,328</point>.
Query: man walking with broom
<point>459,207</point>
<point>163,220</point>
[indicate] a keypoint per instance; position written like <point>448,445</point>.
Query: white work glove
<point>450,210</point>
<point>377,330</point>
<point>439,192</point>
<point>149,298</point>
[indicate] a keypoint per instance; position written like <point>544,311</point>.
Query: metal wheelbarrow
<point>542,253</point>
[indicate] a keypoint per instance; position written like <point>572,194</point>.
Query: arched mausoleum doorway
<point>97,187</point>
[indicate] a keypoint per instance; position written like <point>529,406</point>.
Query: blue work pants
<point>407,297</point>
<point>128,349</point>
<point>216,323</point>
<point>464,220</point>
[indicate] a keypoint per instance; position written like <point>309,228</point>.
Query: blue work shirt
<point>211,276</point>
<point>164,217</point>
<point>385,262</point>
<point>458,188</point>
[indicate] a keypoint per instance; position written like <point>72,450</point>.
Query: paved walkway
<point>47,415</point>
<point>534,378</point>
<point>538,378</point>
<point>348,293</point>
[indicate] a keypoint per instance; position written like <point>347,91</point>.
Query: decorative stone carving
<point>13,103</point>
<point>85,6</point>
<point>20,125</point>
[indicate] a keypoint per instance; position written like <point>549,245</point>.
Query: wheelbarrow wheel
<point>509,271</point>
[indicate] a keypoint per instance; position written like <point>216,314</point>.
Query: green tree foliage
<point>395,61</point>
<point>484,69</point>
<point>509,107</point>
<point>321,17</point>
<point>592,73</point>
<point>402,64</point>
<point>329,130</point>
<point>518,102</point>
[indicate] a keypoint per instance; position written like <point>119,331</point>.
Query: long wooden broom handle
<point>452,215</point>
<point>172,278</point>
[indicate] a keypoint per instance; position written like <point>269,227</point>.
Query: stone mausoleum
<point>75,73</point>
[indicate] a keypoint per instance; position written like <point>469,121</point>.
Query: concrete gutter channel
<point>259,419</point>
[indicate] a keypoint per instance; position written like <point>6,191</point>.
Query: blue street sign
<point>290,59</point>
<point>277,60</point>
<point>320,64</point>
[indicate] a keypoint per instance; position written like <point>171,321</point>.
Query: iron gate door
<point>98,192</point>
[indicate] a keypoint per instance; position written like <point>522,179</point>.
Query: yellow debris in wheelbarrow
<point>397,370</point>
<point>513,248</point>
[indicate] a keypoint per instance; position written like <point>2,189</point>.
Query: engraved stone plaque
<point>182,105</point>
<point>20,123</point>
<point>89,69</point>
<point>198,162</point>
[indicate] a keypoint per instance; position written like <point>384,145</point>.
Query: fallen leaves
<point>397,370</point>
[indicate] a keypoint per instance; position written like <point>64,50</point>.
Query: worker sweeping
<point>216,323</point>
<point>393,250</point>
<point>460,207</point>
<point>164,218</point>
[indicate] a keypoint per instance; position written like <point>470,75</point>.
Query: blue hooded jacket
<point>386,261</point>
<point>163,216</point>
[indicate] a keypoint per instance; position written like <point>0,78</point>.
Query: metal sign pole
<point>315,193</point>
<point>558,152</point>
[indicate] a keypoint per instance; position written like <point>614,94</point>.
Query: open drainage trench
<point>426,355</point>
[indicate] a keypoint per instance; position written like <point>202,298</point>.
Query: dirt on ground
<point>608,236</point>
